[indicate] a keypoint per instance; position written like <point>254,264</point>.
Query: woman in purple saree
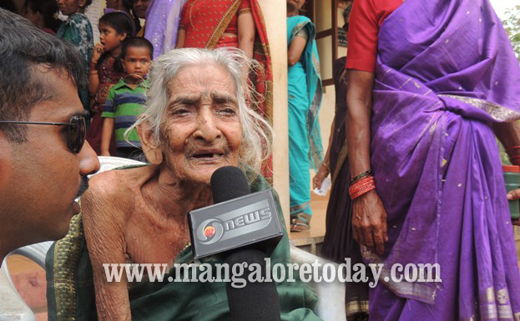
<point>445,82</point>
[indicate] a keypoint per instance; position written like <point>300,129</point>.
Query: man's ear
<point>151,147</point>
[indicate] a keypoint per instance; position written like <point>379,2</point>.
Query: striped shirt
<point>125,104</point>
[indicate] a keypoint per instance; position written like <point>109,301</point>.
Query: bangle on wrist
<point>512,149</point>
<point>361,187</point>
<point>368,173</point>
<point>513,152</point>
<point>515,160</point>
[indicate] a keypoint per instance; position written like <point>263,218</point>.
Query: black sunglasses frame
<point>75,140</point>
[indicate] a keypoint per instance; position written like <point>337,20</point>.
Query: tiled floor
<point>319,211</point>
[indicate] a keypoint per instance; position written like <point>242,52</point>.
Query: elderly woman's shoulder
<point>113,185</point>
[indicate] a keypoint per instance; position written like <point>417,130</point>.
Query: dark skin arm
<point>369,224</point>
<point>509,136</point>
<point>324,170</point>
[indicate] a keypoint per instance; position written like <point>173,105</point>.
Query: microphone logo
<point>233,224</point>
<point>210,231</point>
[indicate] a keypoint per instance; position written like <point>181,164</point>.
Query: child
<point>78,31</point>
<point>114,27</point>
<point>126,99</point>
<point>42,13</point>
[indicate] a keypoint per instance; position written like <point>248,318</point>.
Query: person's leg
<point>299,173</point>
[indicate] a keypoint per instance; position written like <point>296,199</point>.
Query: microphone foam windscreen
<point>227,183</point>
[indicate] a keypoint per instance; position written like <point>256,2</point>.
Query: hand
<point>99,49</point>
<point>512,196</point>
<point>322,173</point>
<point>369,221</point>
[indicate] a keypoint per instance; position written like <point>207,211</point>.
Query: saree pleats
<point>440,85</point>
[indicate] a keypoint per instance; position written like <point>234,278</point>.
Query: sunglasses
<point>77,128</point>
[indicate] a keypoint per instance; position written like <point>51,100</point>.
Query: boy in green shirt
<point>125,101</point>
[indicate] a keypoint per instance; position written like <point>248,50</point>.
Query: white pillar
<point>275,15</point>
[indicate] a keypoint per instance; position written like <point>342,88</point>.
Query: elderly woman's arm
<point>509,136</point>
<point>246,33</point>
<point>369,216</point>
<point>104,226</point>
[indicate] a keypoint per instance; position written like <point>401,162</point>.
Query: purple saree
<point>445,72</point>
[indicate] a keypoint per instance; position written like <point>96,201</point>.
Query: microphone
<point>237,219</point>
<point>238,225</point>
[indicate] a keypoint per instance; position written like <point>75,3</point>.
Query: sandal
<point>300,222</point>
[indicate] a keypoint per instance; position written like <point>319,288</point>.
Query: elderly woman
<point>196,121</point>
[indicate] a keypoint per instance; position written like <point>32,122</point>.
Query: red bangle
<point>513,159</point>
<point>362,191</point>
<point>512,148</point>
<point>363,186</point>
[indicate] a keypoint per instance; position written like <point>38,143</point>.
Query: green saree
<point>70,286</point>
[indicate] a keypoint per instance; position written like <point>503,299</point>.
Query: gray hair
<point>257,133</point>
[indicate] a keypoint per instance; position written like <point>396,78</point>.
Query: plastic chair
<point>331,296</point>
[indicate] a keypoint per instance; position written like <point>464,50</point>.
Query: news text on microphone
<point>279,272</point>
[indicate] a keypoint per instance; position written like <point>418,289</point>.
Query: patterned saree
<point>445,73</point>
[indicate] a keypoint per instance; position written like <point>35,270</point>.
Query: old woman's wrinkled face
<point>201,125</point>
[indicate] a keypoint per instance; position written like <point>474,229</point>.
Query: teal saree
<point>305,94</point>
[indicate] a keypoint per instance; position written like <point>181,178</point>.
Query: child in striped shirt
<point>126,99</point>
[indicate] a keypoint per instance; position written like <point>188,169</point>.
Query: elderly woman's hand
<point>369,221</point>
<point>511,196</point>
